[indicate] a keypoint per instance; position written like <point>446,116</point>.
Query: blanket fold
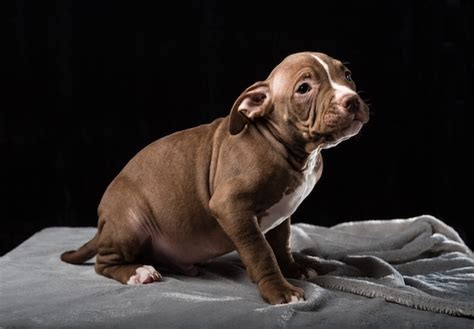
<point>418,262</point>
<point>414,272</point>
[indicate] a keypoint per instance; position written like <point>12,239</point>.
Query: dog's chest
<point>288,204</point>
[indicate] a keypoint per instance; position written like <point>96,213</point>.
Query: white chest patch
<point>288,204</point>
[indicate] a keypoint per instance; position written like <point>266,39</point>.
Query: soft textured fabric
<point>390,273</point>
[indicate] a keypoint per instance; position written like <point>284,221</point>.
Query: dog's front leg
<point>279,240</point>
<point>234,213</point>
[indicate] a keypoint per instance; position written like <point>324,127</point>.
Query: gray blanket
<point>393,273</point>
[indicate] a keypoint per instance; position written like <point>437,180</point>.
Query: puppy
<point>231,184</point>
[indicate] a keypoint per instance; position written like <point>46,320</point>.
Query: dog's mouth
<point>342,130</point>
<point>337,123</point>
<point>346,132</point>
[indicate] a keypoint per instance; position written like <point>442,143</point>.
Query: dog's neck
<point>296,153</point>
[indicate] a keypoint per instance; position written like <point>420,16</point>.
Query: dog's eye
<point>303,88</point>
<point>348,76</point>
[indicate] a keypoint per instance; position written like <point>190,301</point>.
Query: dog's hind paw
<point>144,274</point>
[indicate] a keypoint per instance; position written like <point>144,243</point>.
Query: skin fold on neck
<point>295,153</point>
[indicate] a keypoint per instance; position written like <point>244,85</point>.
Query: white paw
<point>144,274</point>
<point>295,299</point>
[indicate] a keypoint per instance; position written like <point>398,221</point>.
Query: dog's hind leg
<point>120,257</point>
<point>129,273</point>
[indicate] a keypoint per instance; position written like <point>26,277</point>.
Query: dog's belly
<point>207,240</point>
<point>182,253</point>
<point>288,204</point>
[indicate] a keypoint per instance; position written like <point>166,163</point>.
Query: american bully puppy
<point>231,184</point>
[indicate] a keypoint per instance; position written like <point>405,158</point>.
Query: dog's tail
<point>86,252</point>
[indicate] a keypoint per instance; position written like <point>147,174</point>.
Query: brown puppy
<point>231,184</point>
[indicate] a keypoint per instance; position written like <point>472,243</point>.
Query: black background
<point>88,84</point>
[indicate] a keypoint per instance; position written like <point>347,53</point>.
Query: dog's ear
<point>253,103</point>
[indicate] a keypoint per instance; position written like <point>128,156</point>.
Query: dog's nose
<point>351,103</point>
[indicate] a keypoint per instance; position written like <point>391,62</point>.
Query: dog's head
<point>309,99</point>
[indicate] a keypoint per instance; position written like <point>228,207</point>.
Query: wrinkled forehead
<point>292,67</point>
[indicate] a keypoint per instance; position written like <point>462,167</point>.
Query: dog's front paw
<point>280,292</point>
<point>295,270</point>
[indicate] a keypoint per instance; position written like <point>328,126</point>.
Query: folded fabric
<point>419,262</point>
<point>416,272</point>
